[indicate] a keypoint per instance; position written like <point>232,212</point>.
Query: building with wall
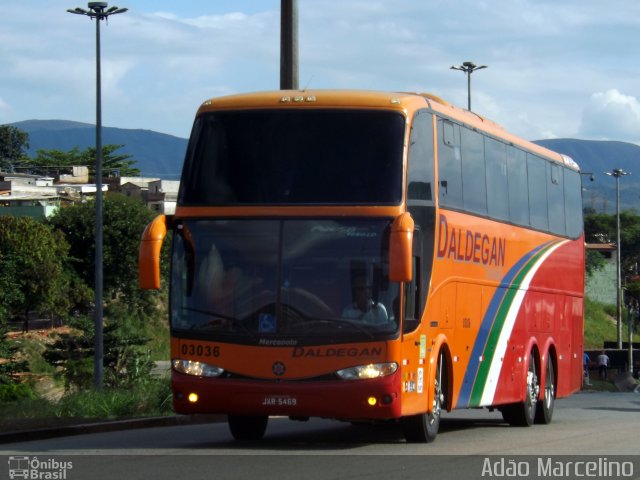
<point>601,286</point>
<point>25,205</point>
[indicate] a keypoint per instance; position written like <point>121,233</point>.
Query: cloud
<point>611,115</point>
<point>162,58</point>
<point>5,109</point>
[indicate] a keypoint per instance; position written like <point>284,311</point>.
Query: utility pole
<point>288,44</point>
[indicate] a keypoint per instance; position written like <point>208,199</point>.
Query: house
<point>36,195</point>
<point>43,194</point>
<point>29,205</point>
<point>158,194</point>
<point>163,196</point>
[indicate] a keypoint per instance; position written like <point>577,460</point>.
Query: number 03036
<point>199,350</point>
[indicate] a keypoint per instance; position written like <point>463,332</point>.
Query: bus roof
<point>402,101</point>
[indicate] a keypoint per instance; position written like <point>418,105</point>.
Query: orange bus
<point>369,256</point>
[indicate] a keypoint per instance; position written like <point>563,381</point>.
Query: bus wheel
<point>423,428</point>
<point>247,428</point>
<point>544,412</point>
<point>523,414</point>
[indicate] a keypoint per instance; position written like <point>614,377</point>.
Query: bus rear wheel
<point>522,414</point>
<point>247,427</point>
<point>544,412</point>
<point>423,428</point>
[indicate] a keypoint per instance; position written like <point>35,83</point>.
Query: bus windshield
<point>295,156</point>
<point>263,280</point>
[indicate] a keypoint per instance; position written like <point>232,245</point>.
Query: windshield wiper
<point>218,320</point>
<point>337,321</point>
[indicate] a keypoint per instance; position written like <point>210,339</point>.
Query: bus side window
<point>449,164</point>
<point>555,202</point>
<point>420,175</point>
<point>573,203</point>
<point>412,290</point>
<point>537,176</point>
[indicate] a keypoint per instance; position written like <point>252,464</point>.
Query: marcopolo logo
<point>33,468</point>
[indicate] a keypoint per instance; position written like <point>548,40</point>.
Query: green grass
<point>153,398</point>
<point>600,385</point>
<point>159,347</point>
<point>598,326</point>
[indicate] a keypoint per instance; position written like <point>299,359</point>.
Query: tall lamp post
<point>468,68</point>
<point>98,11</point>
<point>288,44</point>
<point>617,173</point>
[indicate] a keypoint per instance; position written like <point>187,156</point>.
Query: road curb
<point>110,426</point>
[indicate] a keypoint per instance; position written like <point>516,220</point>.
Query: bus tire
<point>247,427</point>
<point>523,414</point>
<point>544,411</point>
<point>423,428</point>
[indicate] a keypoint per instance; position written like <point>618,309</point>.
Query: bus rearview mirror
<point>400,249</point>
<point>149,254</point>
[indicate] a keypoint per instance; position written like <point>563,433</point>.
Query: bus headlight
<point>373,370</point>
<point>199,369</point>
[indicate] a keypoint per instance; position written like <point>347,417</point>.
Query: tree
<point>10,366</point>
<point>122,164</point>
<point>126,360</point>
<point>32,269</point>
<point>10,292</point>
<point>593,261</point>
<point>47,161</point>
<point>124,221</point>
<point>601,228</point>
<point>13,145</point>
<point>111,162</point>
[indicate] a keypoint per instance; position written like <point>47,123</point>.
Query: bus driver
<point>364,308</point>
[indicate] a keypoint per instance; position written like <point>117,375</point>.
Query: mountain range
<point>161,155</point>
<point>156,154</point>
<point>596,157</point>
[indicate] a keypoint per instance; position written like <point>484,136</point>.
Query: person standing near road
<point>585,367</point>
<point>603,365</point>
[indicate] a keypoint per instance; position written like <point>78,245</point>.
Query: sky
<point>556,68</point>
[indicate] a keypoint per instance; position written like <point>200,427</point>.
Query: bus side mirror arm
<point>149,254</point>
<point>400,249</point>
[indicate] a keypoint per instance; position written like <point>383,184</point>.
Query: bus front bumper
<point>372,399</point>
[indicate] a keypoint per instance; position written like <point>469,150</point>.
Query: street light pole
<point>617,173</point>
<point>288,44</point>
<point>468,68</point>
<point>98,11</point>
<point>633,311</point>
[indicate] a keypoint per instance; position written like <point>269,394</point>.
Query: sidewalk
<point>107,426</point>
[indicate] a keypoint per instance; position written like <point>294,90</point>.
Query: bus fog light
<point>373,370</point>
<point>193,397</point>
<point>372,401</point>
<point>199,369</point>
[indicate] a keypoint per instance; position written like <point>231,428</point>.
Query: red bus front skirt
<point>373,399</point>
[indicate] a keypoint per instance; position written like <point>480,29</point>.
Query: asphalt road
<point>471,444</point>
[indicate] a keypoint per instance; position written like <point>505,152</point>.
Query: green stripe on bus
<point>496,329</point>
